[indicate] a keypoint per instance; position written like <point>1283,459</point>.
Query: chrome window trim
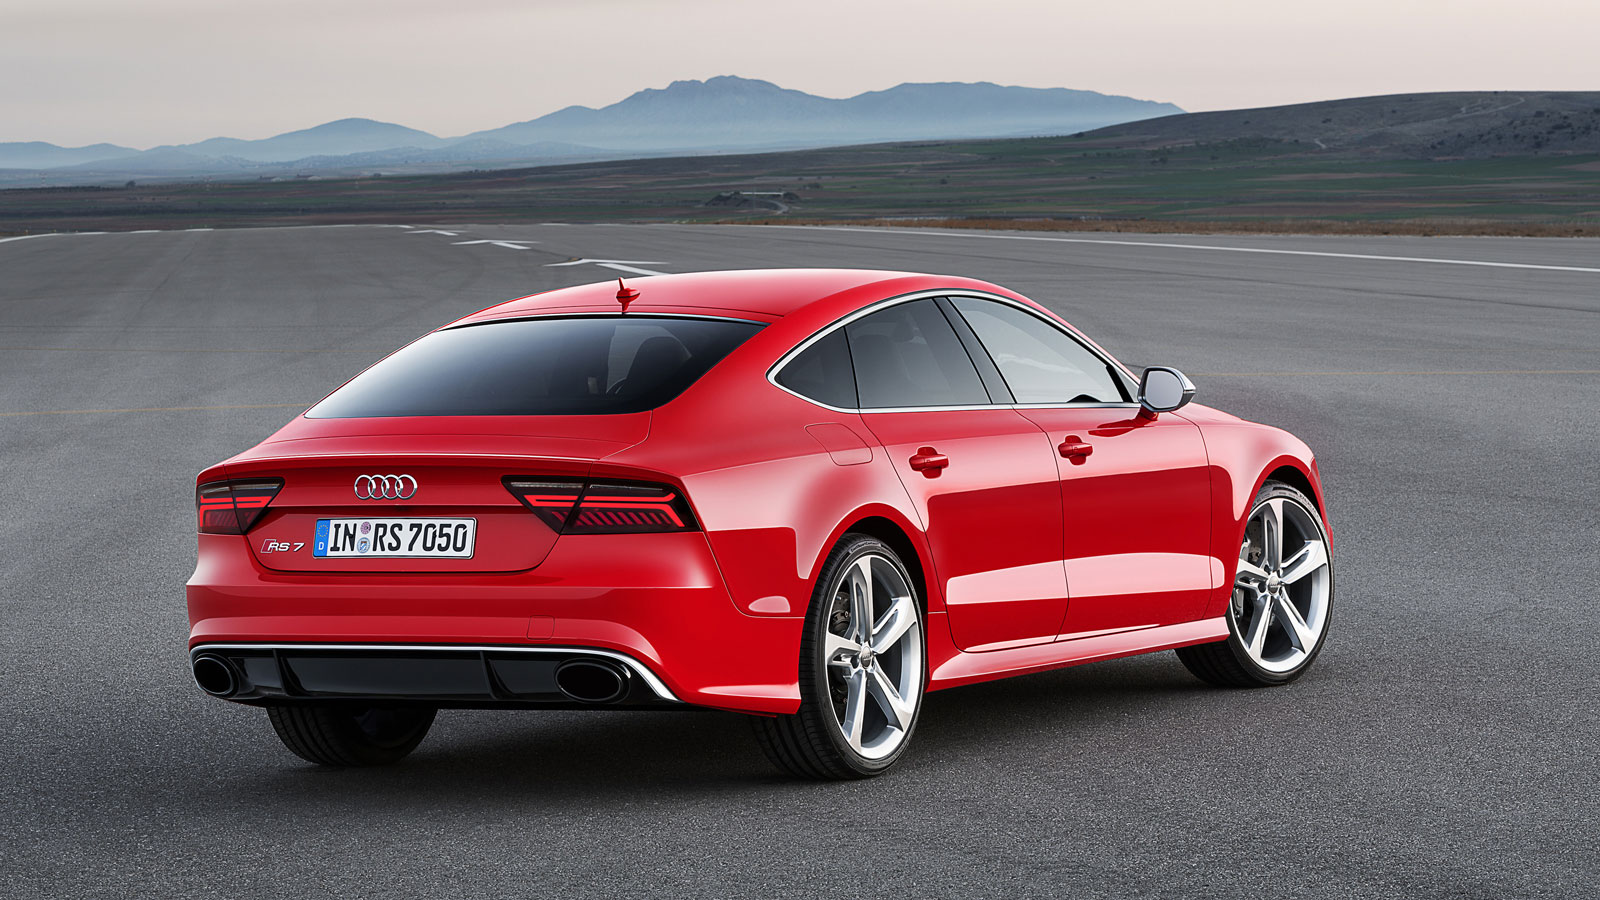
<point>648,677</point>
<point>777,368</point>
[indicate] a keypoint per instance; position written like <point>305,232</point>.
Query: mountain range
<point>717,115</point>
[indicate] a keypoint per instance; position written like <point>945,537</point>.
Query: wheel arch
<point>889,532</point>
<point>1244,457</point>
<point>1295,477</point>
<point>1298,473</point>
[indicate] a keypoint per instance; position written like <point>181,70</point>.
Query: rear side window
<point>1040,363</point>
<point>532,367</point>
<point>908,355</point>
<point>823,372</point>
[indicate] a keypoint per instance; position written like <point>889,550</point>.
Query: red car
<point>806,495</point>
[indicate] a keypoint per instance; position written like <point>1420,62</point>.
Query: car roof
<point>767,293</point>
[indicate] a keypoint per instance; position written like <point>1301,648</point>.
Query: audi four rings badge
<point>385,487</point>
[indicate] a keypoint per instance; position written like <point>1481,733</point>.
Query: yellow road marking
<point>141,409</point>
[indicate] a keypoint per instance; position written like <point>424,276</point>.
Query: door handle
<point>1075,448</point>
<point>929,461</point>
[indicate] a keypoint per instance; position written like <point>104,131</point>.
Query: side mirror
<point>1163,390</point>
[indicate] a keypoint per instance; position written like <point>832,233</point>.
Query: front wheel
<point>340,735</point>
<point>1282,596</point>
<point>862,669</point>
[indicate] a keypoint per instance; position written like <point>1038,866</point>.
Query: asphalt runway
<point>1444,746</point>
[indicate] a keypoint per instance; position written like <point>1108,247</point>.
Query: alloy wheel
<point>874,657</point>
<point>1282,590</point>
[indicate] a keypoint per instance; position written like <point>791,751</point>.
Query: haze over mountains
<point>717,115</point>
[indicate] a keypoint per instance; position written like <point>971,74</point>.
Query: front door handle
<point>1075,448</point>
<point>929,461</point>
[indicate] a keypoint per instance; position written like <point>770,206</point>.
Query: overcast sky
<point>146,72</point>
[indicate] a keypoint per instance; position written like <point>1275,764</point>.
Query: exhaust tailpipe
<point>215,676</point>
<point>592,681</point>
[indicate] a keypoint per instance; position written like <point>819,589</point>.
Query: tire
<point>342,735</point>
<point>1286,583</point>
<point>885,685</point>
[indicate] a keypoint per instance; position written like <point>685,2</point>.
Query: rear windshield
<point>537,367</point>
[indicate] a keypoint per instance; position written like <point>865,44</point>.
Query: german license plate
<point>408,538</point>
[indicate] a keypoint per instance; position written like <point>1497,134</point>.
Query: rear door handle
<point>929,461</point>
<point>1075,448</point>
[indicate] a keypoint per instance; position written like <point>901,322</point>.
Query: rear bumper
<point>656,600</point>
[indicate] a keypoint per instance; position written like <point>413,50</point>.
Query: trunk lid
<point>454,468</point>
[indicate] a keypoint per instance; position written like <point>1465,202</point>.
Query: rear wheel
<point>1282,596</point>
<point>862,669</point>
<point>339,735</point>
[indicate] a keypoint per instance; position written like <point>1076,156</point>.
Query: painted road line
<point>26,237</point>
<point>619,265</point>
<point>509,245</point>
<point>632,269</point>
<point>1400,372</point>
<point>1211,247</point>
<point>436,231</point>
<point>147,409</point>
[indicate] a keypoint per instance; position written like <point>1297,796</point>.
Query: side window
<point>1040,363</point>
<point>822,372</point>
<point>908,355</point>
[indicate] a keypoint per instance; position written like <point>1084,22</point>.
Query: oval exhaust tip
<point>215,676</point>
<point>592,681</point>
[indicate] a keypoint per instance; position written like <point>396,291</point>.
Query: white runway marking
<point>435,231</point>
<point>619,265</point>
<point>509,245</point>
<point>25,237</point>
<point>1176,246</point>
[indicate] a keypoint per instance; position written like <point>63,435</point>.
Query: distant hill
<point>40,155</point>
<point>728,112</point>
<point>1413,126</point>
<point>337,138</point>
<point>717,115</point>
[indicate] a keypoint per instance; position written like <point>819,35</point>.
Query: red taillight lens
<point>231,507</point>
<point>550,500</point>
<point>604,507</point>
<point>617,507</point>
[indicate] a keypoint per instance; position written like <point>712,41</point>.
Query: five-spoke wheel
<point>1282,596</point>
<point>862,669</point>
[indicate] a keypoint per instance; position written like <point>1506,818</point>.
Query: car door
<point>1135,490</point>
<point>982,477</point>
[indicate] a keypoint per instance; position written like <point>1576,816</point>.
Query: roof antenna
<point>625,295</point>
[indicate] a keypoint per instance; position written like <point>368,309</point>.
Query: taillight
<point>615,507</point>
<point>604,507</point>
<point>551,501</point>
<point>231,507</point>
